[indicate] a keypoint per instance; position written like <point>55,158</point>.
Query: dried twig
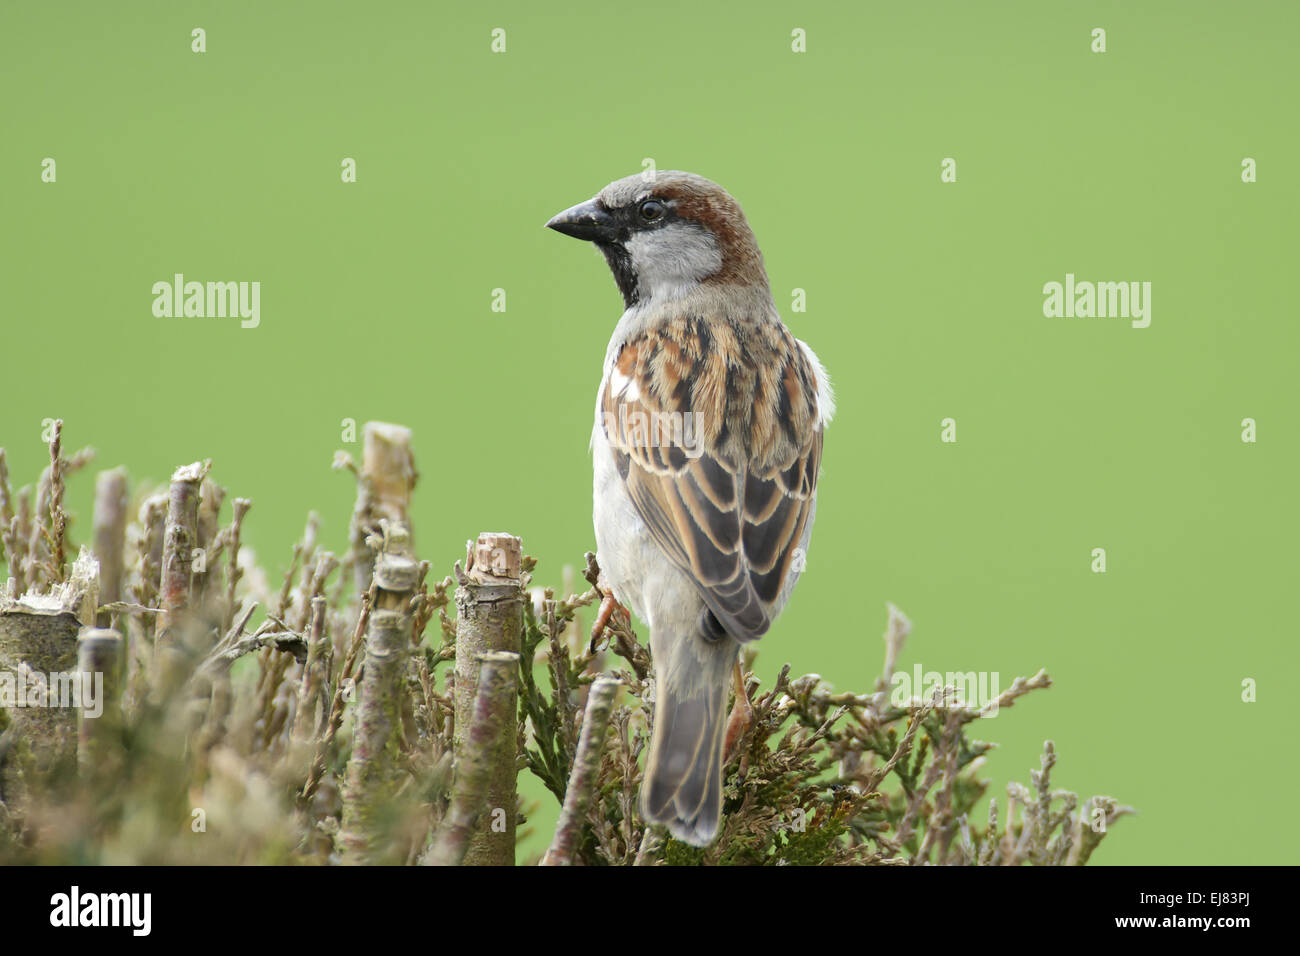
<point>586,765</point>
<point>492,712</point>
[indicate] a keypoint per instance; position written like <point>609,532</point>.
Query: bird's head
<point>665,233</point>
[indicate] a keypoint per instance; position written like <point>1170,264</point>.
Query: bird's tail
<point>682,788</point>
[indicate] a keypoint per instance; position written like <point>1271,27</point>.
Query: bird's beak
<point>586,221</point>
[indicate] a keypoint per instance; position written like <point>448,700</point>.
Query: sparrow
<point>706,448</point>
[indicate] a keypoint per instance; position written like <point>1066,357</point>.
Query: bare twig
<point>110,536</point>
<point>586,766</point>
<point>490,619</point>
<point>374,772</point>
<point>99,666</point>
<point>493,711</point>
<point>180,540</point>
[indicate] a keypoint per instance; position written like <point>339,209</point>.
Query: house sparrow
<point>707,442</point>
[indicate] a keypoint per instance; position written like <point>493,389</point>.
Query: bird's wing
<point>719,457</point>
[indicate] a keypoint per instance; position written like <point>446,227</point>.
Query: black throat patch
<point>620,263</point>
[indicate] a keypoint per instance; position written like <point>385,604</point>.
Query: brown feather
<point>731,510</point>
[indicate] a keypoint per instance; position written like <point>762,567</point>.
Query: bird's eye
<point>651,210</point>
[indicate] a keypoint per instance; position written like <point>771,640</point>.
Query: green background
<point>924,302</point>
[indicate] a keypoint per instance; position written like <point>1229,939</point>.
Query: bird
<point>707,447</point>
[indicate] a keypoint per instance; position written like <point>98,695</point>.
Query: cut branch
<point>99,661</point>
<point>586,768</point>
<point>491,717</point>
<point>110,537</point>
<point>179,541</point>
<point>374,770</point>
<point>383,492</point>
<point>490,602</point>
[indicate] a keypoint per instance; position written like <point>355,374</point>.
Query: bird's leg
<point>742,715</point>
<point>609,606</point>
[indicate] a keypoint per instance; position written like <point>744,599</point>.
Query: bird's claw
<point>742,717</point>
<point>610,610</point>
